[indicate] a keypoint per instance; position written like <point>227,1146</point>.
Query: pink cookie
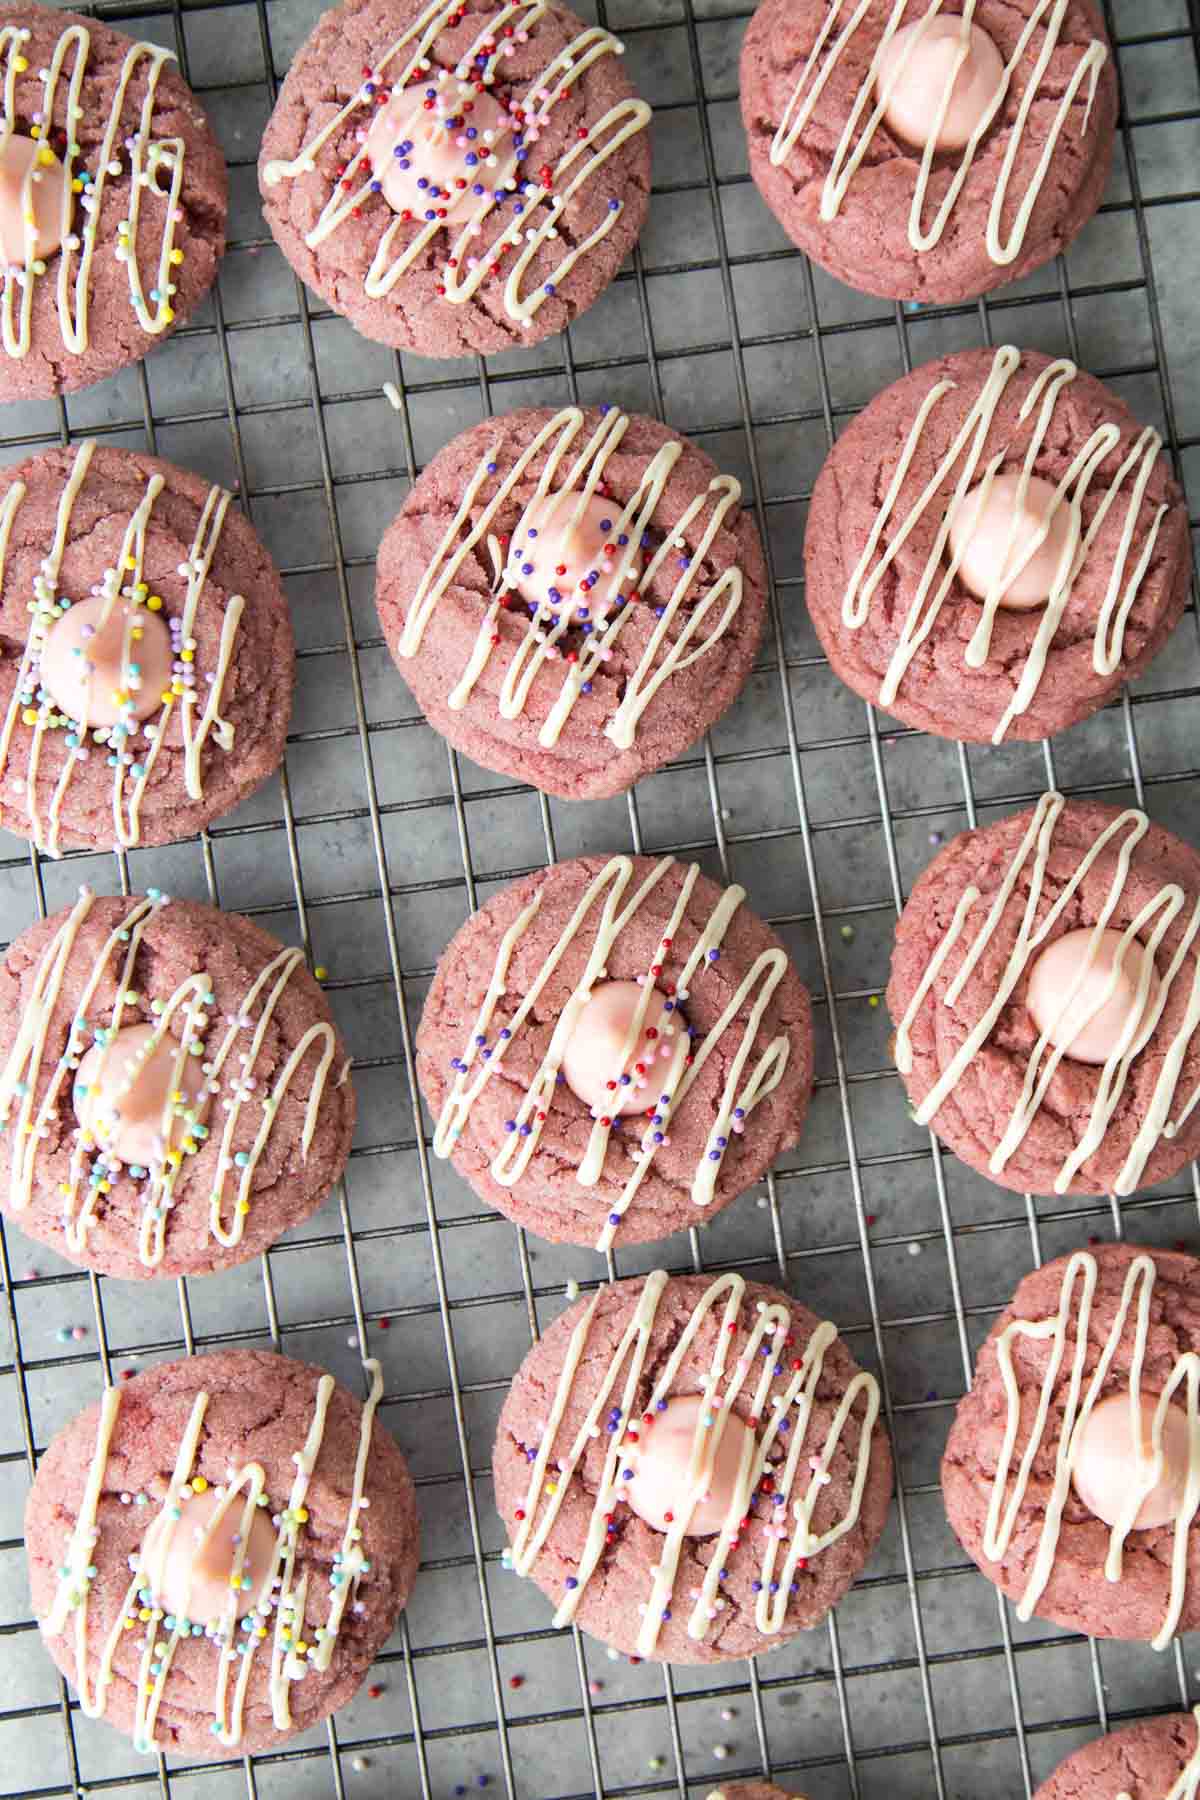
<point>995,546</point>
<point>454,179</point>
<point>174,1092</point>
<point>143,183</point>
<point>1042,1512</point>
<point>149,684</point>
<point>573,597</point>
<point>1042,987</point>
<point>797,1525</point>
<point>236,1468</point>
<point>917,166</point>
<point>750,1790</point>
<point>720,1084</point>
<point>1141,1762</point>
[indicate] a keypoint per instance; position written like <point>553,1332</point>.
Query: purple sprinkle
<point>614,1218</point>
<point>714,956</point>
<point>571,1582</point>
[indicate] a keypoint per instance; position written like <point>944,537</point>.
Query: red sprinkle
<point>516,1681</point>
<point>374,1691</point>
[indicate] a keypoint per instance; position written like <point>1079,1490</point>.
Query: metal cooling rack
<point>375,843</point>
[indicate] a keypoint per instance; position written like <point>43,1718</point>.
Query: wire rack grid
<point>375,843</point>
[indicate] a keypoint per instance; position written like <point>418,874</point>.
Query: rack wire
<point>377,839</point>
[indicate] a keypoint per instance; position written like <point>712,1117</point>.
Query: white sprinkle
<point>572,1290</point>
<point>391,394</point>
<point>914,1249</point>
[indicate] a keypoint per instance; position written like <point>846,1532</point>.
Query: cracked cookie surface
<point>180,939</point>
<point>975,1113</point>
<point>1143,1761</point>
<point>584,763</point>
<point>548,1197</point>
<point>621,1582</point>
<point>349,45</point>
<point>114,336</point>
<point>866,243</point>
<point>260,1409</point>
<point>1077,1595</point>
<point>940,691</point>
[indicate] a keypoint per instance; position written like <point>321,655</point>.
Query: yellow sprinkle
<point>35,131</point>
<point>177,257</point>
<point>30,715</point>
<point>137,633</point>
<point>302,1648</point>
<point>105,1187</point>
<point>77,186</point>
<point>187,656</point>
<point>174,1157</point>
<point>155,602</point>
<point>168,313</point>
<point>45,156</point>
<point>243,1206</point>
<point>20,64</point>
<point>302,1514</point>
<point>130,562</point>
<point>320,971</point>
<point>874,1000</point>
<point>199,1484</point>
<point>144,1614</point>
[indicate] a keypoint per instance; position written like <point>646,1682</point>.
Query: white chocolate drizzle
<point>962,463</point>
<point>149,159</point>
<point>1155,918</point>
<point>228,1067</point>
<point>543,202</point>
<point>278,1616</point>
<point>33,707</point>
<point>776,1446</point>
<point>743,1089</point>
<point>1046,16</point>
<point>664,655</point>
<point>1004,1505</point>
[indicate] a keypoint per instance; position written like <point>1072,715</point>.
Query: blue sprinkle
<point>571,1582</point>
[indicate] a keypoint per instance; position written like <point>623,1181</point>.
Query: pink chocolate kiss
<point>914,100</point>
<point>979,534</point>
<point>576,557</point>
<point>658,1491</point>
<point>1086,1040</point>
<point>81,665</point>
<point>592,1061</point>
<point>192,1579</point>
<point>18,156</point>
<point>1107,1457</point>
<point>453,147</point>
<point>121,1092</point>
